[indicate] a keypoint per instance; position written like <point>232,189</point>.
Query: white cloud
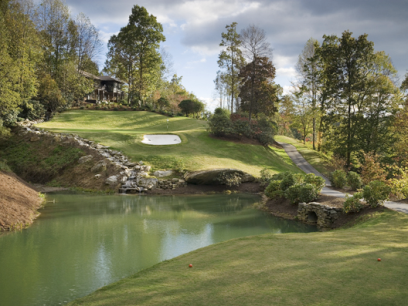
<point>105,36</point>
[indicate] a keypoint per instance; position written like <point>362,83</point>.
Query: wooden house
<point>107,89</point>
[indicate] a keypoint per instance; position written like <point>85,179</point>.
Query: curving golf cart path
<point>299,161</point>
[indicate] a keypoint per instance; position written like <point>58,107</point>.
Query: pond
<point>83,242</point>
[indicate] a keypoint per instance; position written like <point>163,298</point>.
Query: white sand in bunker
<point>161,140</point>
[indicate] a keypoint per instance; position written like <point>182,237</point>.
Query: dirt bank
<point>18,203</point>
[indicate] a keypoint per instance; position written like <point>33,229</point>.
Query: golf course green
<point>124,131</point>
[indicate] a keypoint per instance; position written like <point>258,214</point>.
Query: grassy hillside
<point>322,268</point>
<point>317,159</point>
<point>124,130</point>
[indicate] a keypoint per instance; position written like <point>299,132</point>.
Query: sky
<point>193,30</point>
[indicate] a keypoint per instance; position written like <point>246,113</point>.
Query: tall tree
<point>20,56</point>
<point>87,43</point>
<point>255,46</point>
<point>303,113</point>
<point>133,53</point>
<point>286,114</point>
<point>308,69</point>
<point>257,92</point>
<point>9,97</point>
<point>358,95</point>
<point>231,58</point>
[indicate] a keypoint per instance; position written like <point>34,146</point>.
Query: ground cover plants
<point>38,161</point>
<point>124,131</point>
<point>222,123</point>
<point>295,187</point>
<point>324,268</point>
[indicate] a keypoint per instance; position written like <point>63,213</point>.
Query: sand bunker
<point>161,140</point>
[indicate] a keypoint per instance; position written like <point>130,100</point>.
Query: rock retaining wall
<point>315,213</point>
<point>130,177</point>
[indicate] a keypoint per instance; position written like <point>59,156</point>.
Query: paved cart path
<point>298,159</point>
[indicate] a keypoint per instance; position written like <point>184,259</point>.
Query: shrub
<point>299,178</point>
<point>230,179</point>
<point>337,163</point>
<point>266,176</point>
<point>242,128</point>
<point>115,108</point>
<point>338,178</point>
<point>81,107</point>
<point>353,204</point>
<point>279,176</point>
<point>264,131</point>
<point>372,170</point>
<point>287,181</point>
<point>179,165</point>
<point>399,183</point>
<point>33,110</point>
<point>317,181</point>
<point>354,180</point>
<point>273,190</point>
<point>220,125</point>
<point>219,111</point>
<point>375,193</point>
<point>307,193</point>
<point>293,193</point>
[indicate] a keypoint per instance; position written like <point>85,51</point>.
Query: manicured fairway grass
<point>322,268</point>
<point>123,130</point>
<point>317,159</point>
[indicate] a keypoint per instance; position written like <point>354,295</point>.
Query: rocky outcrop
<point>85,159</point>
<point>131,175</point>
<point>99,166</point>
<point>213,177</point>
<point>171,184</point>
<point>163,173</point>
<point>112,181</point>
<point>317,214</point>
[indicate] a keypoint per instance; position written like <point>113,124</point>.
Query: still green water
<point>83,242</point>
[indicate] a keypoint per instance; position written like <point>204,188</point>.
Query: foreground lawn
<point>322,268</point>
<point>317,159</point>
<point>123,130</point>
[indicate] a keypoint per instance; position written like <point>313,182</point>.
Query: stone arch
<point>317,214</point>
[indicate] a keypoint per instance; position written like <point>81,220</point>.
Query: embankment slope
<point>18,203</point>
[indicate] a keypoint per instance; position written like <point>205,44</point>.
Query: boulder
<point>143,174</point>
<point>163,173</point>
<point>100,166</point>
<point>112,181</point>
<point>130,164</point>
<point>98,176</point>
<point>210,177</point>
<point>145,168</point>
<point>148,183</point>
<point>85,159</point>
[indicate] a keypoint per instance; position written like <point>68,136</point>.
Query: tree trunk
<point>252,89</point>
<point>232,82</point>
<point>141,79</point>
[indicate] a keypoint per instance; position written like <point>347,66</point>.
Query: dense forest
<point>44,49</point>
<point>347,98</point>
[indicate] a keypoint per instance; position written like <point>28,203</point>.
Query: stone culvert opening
<point>311,217</point>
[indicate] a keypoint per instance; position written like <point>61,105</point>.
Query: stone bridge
<point>317,214</point>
